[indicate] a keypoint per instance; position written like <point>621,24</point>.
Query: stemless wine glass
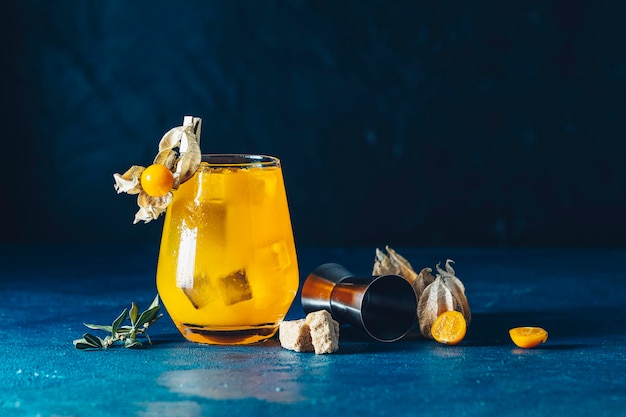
<point>227,270</point>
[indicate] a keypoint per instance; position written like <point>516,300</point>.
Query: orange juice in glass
<point>227,270</point>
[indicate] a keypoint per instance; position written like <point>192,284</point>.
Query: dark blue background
<point>422,123</point>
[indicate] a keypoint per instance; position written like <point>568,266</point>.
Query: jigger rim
<point>411,309</point>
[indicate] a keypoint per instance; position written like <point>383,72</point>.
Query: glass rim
<point>239,160</point>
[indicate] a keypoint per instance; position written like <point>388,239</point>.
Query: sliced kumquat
<point>449,327</point>
<point>528,337</point>
<point>157,180</point>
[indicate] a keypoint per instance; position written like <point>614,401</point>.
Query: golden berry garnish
<point>157,180</point>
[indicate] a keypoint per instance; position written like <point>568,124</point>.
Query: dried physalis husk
<point>383,265</point>
<point>166,157</point>
<point>393,263</point>
<point>424,279</point>
<point>182,163</point>
<point>151,207</point>
<point>445,293</point>
<point>186,138</point>
<point>406,270</point>
<point>128,182</point>
<point>396,264</point>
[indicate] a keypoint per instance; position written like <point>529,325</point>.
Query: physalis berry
<point>157,180</point>
<point>154,185</point>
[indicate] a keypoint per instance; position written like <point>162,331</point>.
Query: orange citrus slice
<point>528,337</point>
<point>449,327</point>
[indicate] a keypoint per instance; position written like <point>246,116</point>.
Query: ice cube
<point>281,254</point>
<point>235,287</point>
<point>270,260</point>
<point>262,186</point>
<point>213,227</point>
<point>273,256</point>
<point>212,187</point>
<point>202,293</point>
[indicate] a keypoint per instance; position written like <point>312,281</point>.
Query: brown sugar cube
<point>324,332</point>
<point>295,335</point>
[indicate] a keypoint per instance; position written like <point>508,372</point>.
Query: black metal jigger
<point>384,306</point>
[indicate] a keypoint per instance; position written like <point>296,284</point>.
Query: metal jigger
<point>384,306</point>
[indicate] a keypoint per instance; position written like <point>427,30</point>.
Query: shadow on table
<point>566,328</point>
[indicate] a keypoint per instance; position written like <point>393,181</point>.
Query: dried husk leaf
<point>462,304</point>
<point>406,270</point>
<point>166,157</point>
<point>195,123</point>
<point>445,293</point>
<point>435,299</point>
<point>424,278</point>
<point>396,264</point>
<point>189,160</point>
<point>384,266</point>
<point>146,200</point>
<point>456,288</point>
<point>150,208</point>
<point>146,214</point>
<point>186,138</point>
<point>449,272</point>
<point>393,263</point>
<point>129,181</point>
<point>171,138</point>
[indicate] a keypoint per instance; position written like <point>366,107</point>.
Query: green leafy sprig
<point>118,332</point>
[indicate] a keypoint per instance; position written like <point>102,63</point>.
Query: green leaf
<point>132,343</point>
<point>118,332</point>
<point>99,327</point>
<point>124,329</point>
<point>155,302</point>
<point>118,321</point>
<point>83,344</point>
<point>94,341</point>
<point>148,315</point>
<point>134,313</point>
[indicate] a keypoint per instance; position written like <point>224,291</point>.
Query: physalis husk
<point>445,293</point>
<point>394,263</point>
<point>179,151</point>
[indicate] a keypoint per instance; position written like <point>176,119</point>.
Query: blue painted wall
<point>409,123</point>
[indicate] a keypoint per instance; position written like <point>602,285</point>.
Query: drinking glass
<point>227,271</point>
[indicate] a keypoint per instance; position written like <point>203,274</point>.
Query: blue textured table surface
<point>47,292</point>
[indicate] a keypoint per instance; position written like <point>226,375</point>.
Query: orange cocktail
<point>227,270</point>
